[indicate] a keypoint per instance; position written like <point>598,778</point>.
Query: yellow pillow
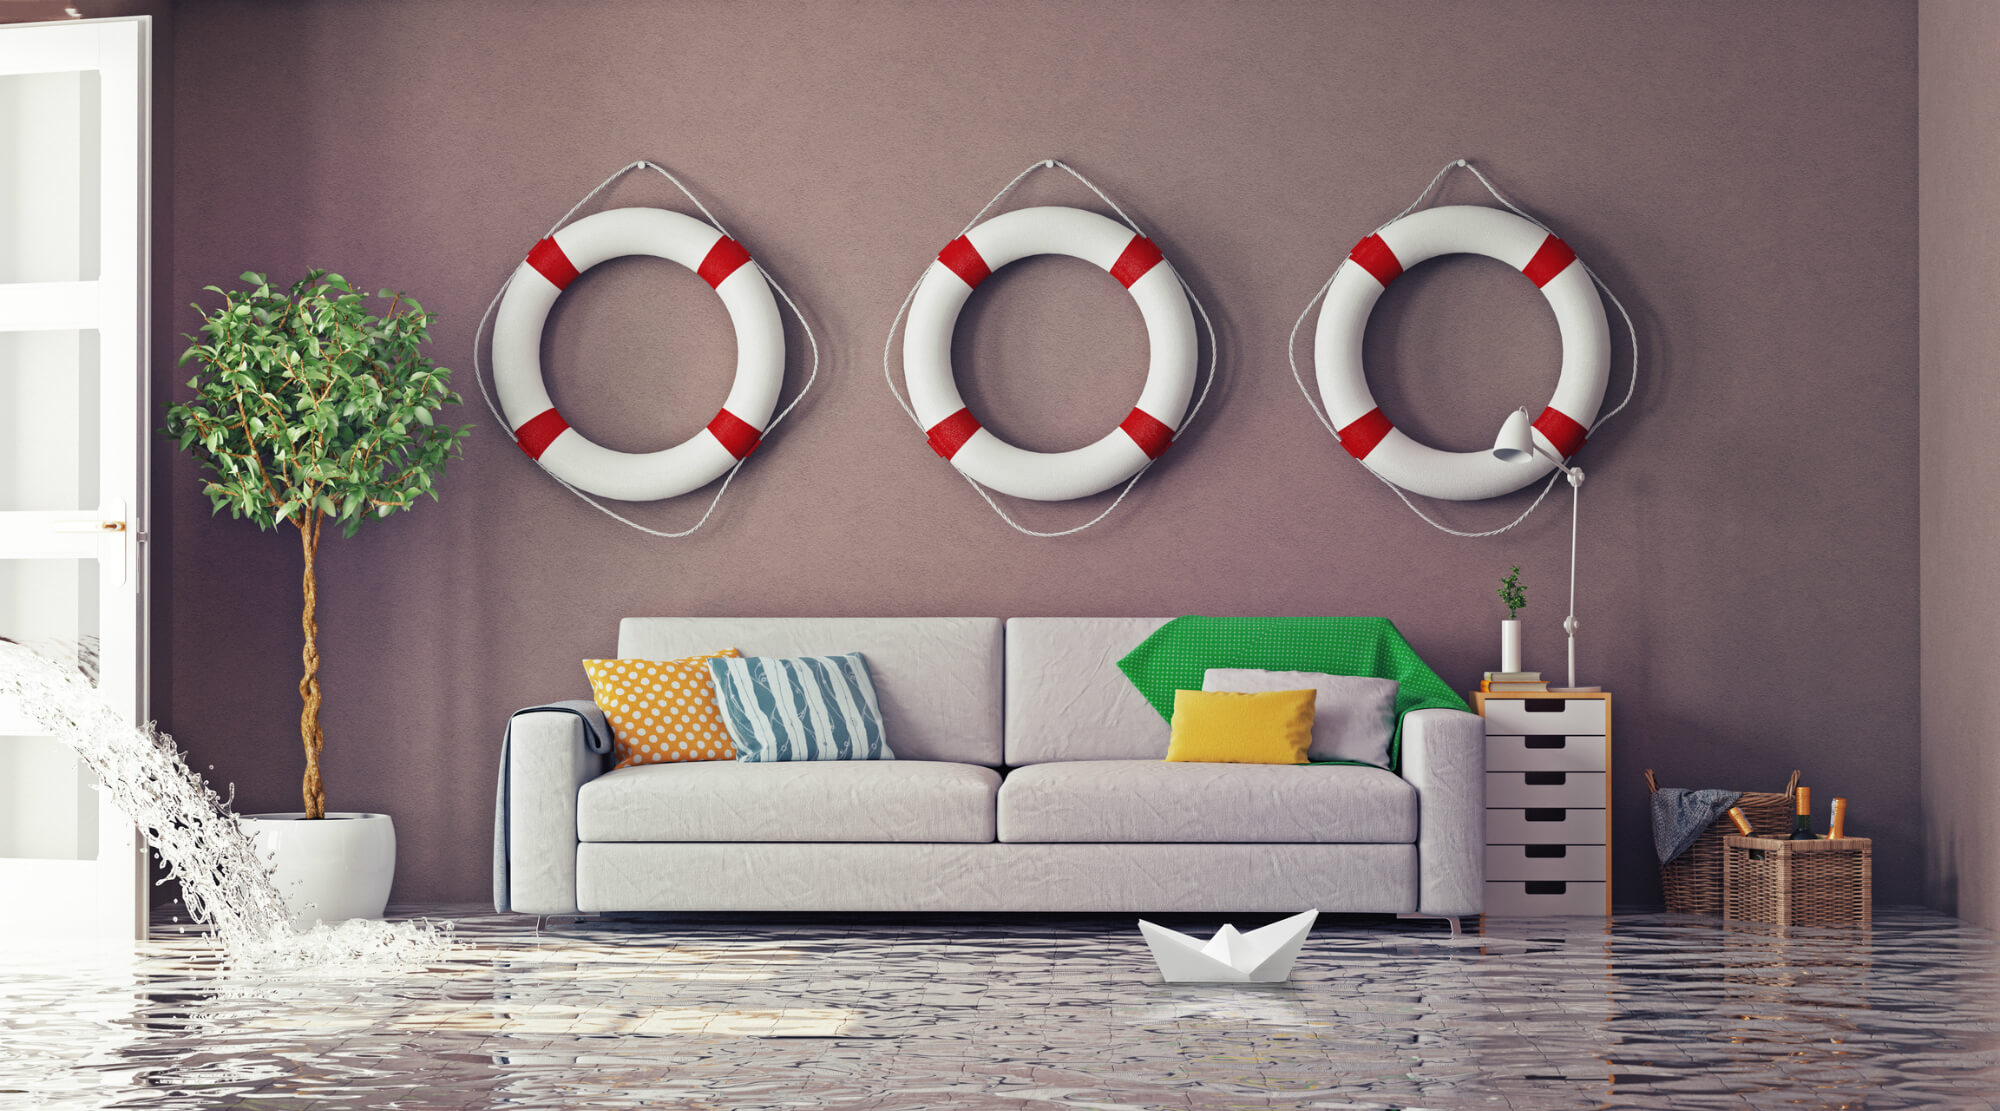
<point>1227,727</point>
<point>661,711</point>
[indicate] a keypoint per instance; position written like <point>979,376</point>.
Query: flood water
<point>1026,1013</point>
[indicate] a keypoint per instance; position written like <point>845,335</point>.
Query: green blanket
<point>1175,656</point>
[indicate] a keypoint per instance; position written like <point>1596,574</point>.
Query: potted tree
<point>308,408</point>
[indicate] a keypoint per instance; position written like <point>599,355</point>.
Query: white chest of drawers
<point>1548,803</point>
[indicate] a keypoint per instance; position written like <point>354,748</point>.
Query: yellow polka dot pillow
<point>661,711</point>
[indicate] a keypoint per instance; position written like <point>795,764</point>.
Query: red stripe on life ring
<point>1135,262</point>
<point>1374,256</point>
<point>950,434</point>
<point>1148,431</point>
<point>1551,258</point>
<point>1561,430</point>
<point>1367,430</point>
<point>549,261</point>
<point>722,260</point>
<point>539,431</point>
<point>737,436</point>
<point>962,258</point>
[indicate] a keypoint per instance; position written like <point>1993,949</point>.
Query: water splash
<point>225,884</point>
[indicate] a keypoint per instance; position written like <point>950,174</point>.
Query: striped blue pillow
<point>800,708</point>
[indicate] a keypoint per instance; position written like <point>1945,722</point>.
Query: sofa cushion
<point>837,800</point>
<point>937,678</point>
<point>1241,727</point>
<point>1066,698</point>
<point>660,711</point>
<point>800,708</point>
<point>1354,717</point>
<point>1152,801</point>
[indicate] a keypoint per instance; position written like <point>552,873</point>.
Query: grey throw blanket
<point>596,734</point>
<point>1680,816</point>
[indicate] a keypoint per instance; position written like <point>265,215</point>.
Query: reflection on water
<point>916,1012</point>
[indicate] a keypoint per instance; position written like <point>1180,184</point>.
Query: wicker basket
<point>1692,881</point>
<point>1798,883</point>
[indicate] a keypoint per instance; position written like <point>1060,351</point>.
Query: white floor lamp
<point>1516,444</point>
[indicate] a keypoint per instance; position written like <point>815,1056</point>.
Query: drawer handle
<point>1546,813</point>
<point>1545,705</point>
<point>1546,779</point>
<point>1546,741</point>
<point>1546,852</point>
<point>1547,887</point>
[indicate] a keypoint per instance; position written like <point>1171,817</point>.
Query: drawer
<point>1545,752</point>
<point>1535,897</point>
<point>1554,826</point>
<point>1545,862</point>
<point>1540,789</point>
<point>1523,716</point>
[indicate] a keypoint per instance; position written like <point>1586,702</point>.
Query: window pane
<point>48,804</point>
<point>48,420</point>
<point>49,177</point>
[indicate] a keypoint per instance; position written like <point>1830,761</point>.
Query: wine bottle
<point>1802,817</point>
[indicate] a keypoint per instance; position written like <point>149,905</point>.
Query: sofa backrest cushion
<point>937,678</point>
<point>1066,698</point>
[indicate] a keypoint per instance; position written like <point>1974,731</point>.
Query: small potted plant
<point>1516,600</point>
<point>310,408</point>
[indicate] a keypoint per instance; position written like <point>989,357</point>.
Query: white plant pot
<point>1510,644</point>
<point>330,870</point>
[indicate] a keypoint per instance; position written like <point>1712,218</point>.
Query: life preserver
<point>1469,229</point>
<point>956,435</point>
<point>555,262</point>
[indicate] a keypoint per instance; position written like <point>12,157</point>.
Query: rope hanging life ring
<point>1460,229</point>
<point>1145,433</point>
<point>551,266</point>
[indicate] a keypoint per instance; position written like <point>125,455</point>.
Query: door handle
<point>109,525</point>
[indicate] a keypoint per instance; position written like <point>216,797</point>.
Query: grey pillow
<point>1353,717</point>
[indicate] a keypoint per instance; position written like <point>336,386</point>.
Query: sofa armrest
<point>1444,758</point>
<point>550,752</point>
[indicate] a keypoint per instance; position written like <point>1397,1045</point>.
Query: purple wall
<point>1960,46</point>
<point>1743,175</point>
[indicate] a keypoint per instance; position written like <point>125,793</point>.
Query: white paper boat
<point>1262,956</point>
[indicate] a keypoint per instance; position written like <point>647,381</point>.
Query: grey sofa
<point>1028,777</point>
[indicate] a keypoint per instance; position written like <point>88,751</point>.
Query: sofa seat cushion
<point>1155,801</point>
<point>833,800</point>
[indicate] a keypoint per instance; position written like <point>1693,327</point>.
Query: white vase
<point>331,869</point>
<point>1510,644</point>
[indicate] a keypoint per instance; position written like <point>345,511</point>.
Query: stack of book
<point>1513,682</point>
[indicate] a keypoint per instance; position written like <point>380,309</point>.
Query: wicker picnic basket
<point>1692,881</point>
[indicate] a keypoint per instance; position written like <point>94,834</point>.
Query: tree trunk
<point>315,792</point>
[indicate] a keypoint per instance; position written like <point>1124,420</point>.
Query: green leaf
<point>301,396</point>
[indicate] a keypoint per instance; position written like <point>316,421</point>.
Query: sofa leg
<point>1451,918</point>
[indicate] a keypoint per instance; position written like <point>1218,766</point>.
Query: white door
<point>75,107</point>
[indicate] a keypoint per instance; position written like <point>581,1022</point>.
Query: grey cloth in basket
<point>1680,816</point>
<point>596,736</point>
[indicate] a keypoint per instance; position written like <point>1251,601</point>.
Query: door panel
<point>74,196</point>
<point>49,410</point>
<point>52,812</point>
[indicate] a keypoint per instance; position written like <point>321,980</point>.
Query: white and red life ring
<point>1145,433</point>
<point>1454,229</point>
<point>704,457</point>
